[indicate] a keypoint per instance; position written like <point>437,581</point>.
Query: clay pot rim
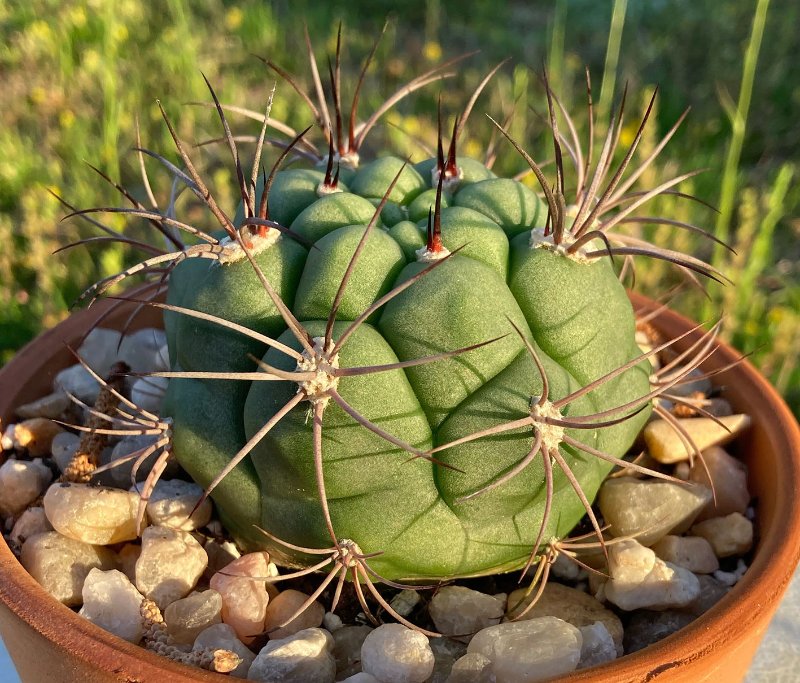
<point>743,612</point>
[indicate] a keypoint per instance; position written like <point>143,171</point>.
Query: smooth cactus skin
<point>576,314</point>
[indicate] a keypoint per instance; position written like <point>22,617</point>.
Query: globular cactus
<point>417,371</point>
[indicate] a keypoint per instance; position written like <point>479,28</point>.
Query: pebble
<point>223,637</point>
<point>188,617</point>
<point>220,555</point>
<point>570,604</point>
<point>649,509</point>
<point>730,483</point>
<point>688,386</point>
<point>446,651</point>
<point>63,448</point>
<point>347,642</point>
<point>36,435</point>
<point>712,590</point>
<point>244,594</point>
<point>99,349</point>
<point>79,382</point>
<point>528,651</point>
<point>597,646</point>
<point>396,654</point>
<point>93,514</point>
<point>60,564</point>
<point>32,521</point>
<point>172,501</point>
<point>148,393</point>
<point>7,440</point>
<point>50,406</point>
<point>667,446</point>
<point>144,350</point>
<point>646,627</point>
<point>332,622</point>
<point>127,556</point>
<point>461,612</point>
<point>170,564</point>
<point>690,552</point>
<point>120,474</point>
<point>304,657</point>
<point>732,578</point>
<point>639,579</point>
<point>360,677</point>
<point>112,602</point>
<point>473,667</point>
<point>729,535</point>
<point>21,482</point>
<point>405,602</point>
<point>283,606</point>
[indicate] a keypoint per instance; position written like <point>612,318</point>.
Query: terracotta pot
<point>48,641</point>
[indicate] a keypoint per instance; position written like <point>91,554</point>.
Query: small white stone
<point>461,612</point>
<point>50,406</point>
<point>732,578</point>
<point>148,393</point>
<point>690,552</point>
<point>667,446</point>
<point>7,440</point>
<point>188,617</point>
<point>649,509</point>
<point>93,514</point>
<point>528,651</point>
<point>170,564</point>
<point>60,564</point>
<point>598,646</point>
<point>223,637</point>
<point>31,522</point>
<point>396,654</point>
<point>99,349</point>
<point>112,602</point>
<point>304,657</point>
<point>127,557</point>
<point>332,622</point>
<point>446,651</point>
<point>361,677</point>
<point>729,535</point>
<point>405,602</point>
<point>244,594</point>
<point>574,606</point>
<point>63,448</point>
<point>120,473</point>
<point>172,501</point>
<point>639,579</point>
<point>21,482</point>
<point>473,667</point>
<point>79,382</point>
<point>142,350</point>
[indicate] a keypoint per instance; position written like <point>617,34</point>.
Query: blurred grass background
<point>75,75</point>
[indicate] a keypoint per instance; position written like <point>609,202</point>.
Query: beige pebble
<point>730,483</point>
<point>283,606</point>
<point>60,564</point>
<point>649,509</point>
<point>461,612</point>
<point>304,657</point>
<point>244,594</point>
<point>92,514</point>
<point>126,560</point>
<point>170,564</point>
<point>223,637</point>
<point>21,483</point>
<point>570,604</point>
<point>31,522</point>
<point>36,435</point>
<point>666,445</point>
<point>188,617</point>
<point>112,602</point>
<point>729,535</point>
<point>173,500</point>
<point>50,406</point>
<point>394,653</point>
<point>690,552</point>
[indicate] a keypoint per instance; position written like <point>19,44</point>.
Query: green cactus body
<point>575,314</point>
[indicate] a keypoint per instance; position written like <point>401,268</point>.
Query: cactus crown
<point>416,371</point>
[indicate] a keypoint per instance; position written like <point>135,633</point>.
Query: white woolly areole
<point>425,255</point>
<point>541,241</point>
<point>324,190</point>
<point>320,362</point>
<point>552,435</point>
<point>450,182</point>
<point>348,552</point>
<point>232,251</point>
